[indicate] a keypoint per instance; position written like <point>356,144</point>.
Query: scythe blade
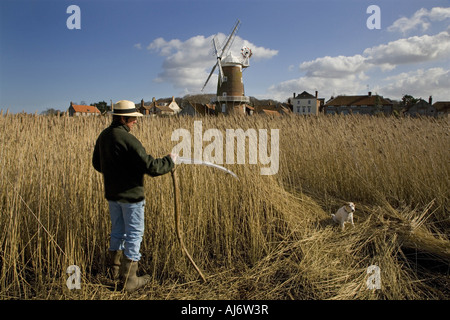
<point>185,160</point>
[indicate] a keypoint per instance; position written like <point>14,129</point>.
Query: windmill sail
<point>230,39</point>
<point>224,50</point>
<point>218,63</point>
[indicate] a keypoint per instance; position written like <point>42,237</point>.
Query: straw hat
<point>125,108</point>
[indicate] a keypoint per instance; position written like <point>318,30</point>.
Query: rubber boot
<point>131,281</point>
<point>114,263</point>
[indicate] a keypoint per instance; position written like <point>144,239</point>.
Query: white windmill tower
<point>230,86</point>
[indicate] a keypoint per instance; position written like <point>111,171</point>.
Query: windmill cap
<point>125,108</point>
<point>231,59</point>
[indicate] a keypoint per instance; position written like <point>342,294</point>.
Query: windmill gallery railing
<point>231,99</point>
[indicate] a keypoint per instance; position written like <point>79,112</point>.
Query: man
<point>123,161</point>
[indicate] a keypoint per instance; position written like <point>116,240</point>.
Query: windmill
<point>230,86</point>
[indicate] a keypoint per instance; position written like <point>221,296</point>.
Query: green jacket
<point>123,161</point>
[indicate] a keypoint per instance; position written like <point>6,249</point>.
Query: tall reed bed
<point>259,237</point>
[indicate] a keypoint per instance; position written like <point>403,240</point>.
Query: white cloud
<point>334,67</point>
<point>421,19</point>
<point>187,64</point>
<point>385,56</point>
<point>164,47</point>
<point>411,50</point>
<point>328,75</point>
<point>325,86</point>
<point>419,83</point>
<point>348,74</point>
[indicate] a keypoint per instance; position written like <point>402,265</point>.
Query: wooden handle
<point>176,189</point>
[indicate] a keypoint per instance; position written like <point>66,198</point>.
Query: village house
<point>155,108</point>
<point>196,109</point>
<point>421,108</point>
<point>145,109</point>
<point>428,109</point>
<point>442,108</point>
<point>306,104</point>
<point>76,110</point>
<point>273,110</point>
<point>364,104</point>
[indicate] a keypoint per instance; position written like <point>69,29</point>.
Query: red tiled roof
<point>371,101</point>
<point>165,108</point>
<point>344,100</point>
<point>271,112</point>
<point>85,109</point>
<point>442,105</point>
<point>202,108</point>
<point>358,101</point>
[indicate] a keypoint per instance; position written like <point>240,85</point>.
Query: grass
<point>259,237</point>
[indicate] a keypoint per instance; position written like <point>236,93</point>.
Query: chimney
<point>430,100</point>
<point>294,95</point>
<point>370,94</point>
<point>142,103</point>
<point>317,94</point>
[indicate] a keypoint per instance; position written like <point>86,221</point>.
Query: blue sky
<point>162,48</point>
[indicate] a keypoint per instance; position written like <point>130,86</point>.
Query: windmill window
<point>224,79</point>
<point>224,94</point>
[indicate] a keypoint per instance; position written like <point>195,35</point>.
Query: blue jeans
<point>127,228</point>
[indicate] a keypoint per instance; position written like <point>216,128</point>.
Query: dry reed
<point>262,237</point>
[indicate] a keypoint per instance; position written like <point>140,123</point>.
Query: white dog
<point>344,214</point>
